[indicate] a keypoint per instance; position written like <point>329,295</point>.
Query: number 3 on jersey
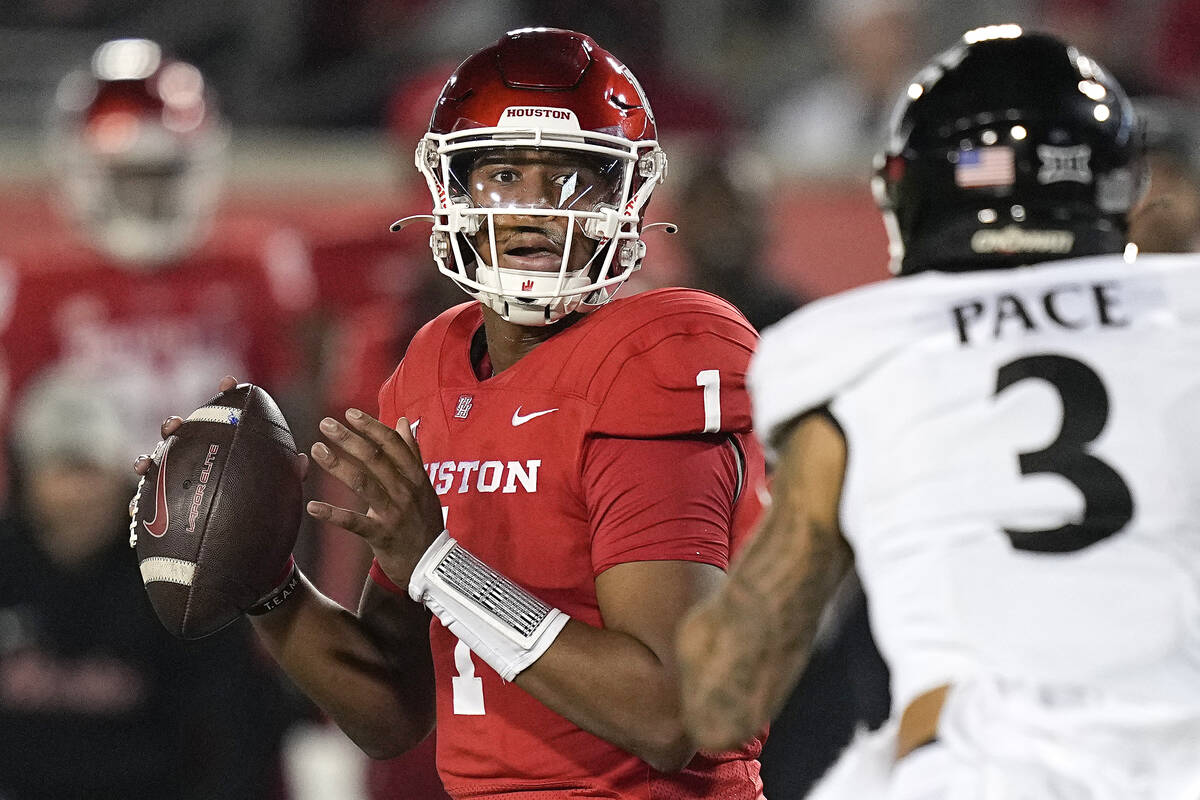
<point>1107,502</point>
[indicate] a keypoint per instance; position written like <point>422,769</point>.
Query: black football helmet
<point>1007,149</point>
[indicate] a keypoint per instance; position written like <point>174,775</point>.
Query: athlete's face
<point>538,179</point>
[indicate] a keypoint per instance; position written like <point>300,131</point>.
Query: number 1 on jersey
<point>710,379</point>
<point>467,688</point>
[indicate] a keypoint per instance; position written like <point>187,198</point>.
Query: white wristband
<point>502,623</point>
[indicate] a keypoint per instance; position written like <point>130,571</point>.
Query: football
<point>215,518</point>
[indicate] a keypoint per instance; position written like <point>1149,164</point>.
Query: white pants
<point>1032,744</point>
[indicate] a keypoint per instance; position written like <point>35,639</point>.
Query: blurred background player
<point>721,211</point>
<point>723,235</point>
<point>97,700</point>
<point>1021,500</point>
<point>832,124</point>
<point>1168,220</point>
<point>148,287</point>
<point>139,151</point>
<point>138,288</point>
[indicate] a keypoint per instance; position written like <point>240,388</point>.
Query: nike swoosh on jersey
<point>162,514</point>
<point>521,419</point>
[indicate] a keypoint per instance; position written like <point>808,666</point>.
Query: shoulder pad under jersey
<point>808,357</point>
<point>670,362</point>
<point>422,357</point>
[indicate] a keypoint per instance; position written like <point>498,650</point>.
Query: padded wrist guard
<point>502,623</point>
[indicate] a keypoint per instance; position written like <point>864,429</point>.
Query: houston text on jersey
<point>484,476</point>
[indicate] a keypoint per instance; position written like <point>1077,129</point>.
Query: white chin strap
<point>508,284</point>
<point>146,244</point>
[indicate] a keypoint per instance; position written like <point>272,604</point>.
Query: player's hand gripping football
<point>382,466</point>
<point>141,464</point>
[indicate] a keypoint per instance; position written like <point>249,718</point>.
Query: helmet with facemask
<point>540,158</point>
<point>1009,148</point>
<point>139,151</point>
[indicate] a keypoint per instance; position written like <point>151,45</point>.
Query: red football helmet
<point>547,130</point>
<point>139,149</point>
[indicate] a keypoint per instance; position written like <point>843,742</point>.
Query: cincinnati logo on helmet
<point>1020,240</point>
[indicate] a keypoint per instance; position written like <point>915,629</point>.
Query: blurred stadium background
<point>770,111</point>
<point>790,92</point>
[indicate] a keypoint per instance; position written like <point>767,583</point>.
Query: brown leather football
<point>216,516</point>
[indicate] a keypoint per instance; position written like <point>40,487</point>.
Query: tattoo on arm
<point>742,650</point>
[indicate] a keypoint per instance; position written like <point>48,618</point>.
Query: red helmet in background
<point>555,95</point>
<point>139,150</point>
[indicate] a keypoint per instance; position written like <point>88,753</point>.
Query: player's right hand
<point>141,464</point>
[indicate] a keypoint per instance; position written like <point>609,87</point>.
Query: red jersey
<point>509,458</point>
<point>157,339</point>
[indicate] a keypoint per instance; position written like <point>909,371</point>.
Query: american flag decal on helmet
<point>985,166</point>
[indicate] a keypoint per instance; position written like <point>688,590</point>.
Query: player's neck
<point>508,343</point>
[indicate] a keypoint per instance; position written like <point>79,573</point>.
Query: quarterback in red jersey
<point>583,474</point>
<point>555,477</point>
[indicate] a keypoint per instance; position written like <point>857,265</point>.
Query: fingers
<point>352,521</point>
<point>351,471</point>
<point>398,443</point>
<point>377,447</point>
<point>301,465</point>
<point>141,464</point>
<point>379,464</point>
<point>370,455</point>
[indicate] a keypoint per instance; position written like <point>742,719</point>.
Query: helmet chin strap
<point>536,312</point>
<point>146,245</point>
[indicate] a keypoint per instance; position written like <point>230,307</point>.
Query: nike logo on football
<point>162,514</point>
<point>521,419</point>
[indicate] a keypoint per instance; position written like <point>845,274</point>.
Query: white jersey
<point>1023,480</point>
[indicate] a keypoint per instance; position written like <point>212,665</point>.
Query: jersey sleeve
<point>680,372</point>
<point>805,360</point>
<point>660,499</point>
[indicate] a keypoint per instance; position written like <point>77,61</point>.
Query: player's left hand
<point>383,467</point>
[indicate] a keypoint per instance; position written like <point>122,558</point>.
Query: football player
<point>147,290</point>
<point>554,476</point>
<point>1004,439</point>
